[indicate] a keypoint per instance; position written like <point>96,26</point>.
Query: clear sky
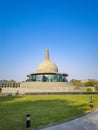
<point>69,28</point>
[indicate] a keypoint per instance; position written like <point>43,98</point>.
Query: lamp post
<point>28,121</point>
<point>0,90</point>
<point>91,102</point>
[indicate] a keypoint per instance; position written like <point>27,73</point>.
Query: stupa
<point>47,71</point>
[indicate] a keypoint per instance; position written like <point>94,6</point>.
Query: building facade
<point>10,83</point>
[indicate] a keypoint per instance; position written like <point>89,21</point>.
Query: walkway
<point>87,122</point>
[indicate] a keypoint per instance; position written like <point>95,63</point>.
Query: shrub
<point>89,90</point>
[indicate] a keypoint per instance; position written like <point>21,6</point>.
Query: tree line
<point>87,83</point>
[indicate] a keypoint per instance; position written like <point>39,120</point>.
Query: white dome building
<point>47,71</point>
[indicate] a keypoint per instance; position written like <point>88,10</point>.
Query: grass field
<point>44,109</point>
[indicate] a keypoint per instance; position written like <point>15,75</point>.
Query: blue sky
<point>69,28</point>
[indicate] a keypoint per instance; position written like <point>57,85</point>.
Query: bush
<point>89,90</point>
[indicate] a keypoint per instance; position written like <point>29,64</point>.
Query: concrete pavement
<point>87,122</point>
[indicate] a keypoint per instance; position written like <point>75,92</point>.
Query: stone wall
<point>42,87</point>
<point>45,84</point>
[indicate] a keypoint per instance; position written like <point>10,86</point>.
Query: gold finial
<point>47,54</point>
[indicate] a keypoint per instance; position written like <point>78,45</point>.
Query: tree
<point>96,86</point>
<point>91,82</point>
<point>77,83</point>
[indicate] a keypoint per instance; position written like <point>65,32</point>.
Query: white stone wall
<point>8,90</point>
<point>44,84</point>
<point>46,87</point>
<point>42,87</point>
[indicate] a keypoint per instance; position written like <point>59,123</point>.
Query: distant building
<point>10,83</point>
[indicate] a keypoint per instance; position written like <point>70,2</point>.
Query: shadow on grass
<point>55,111</point>
<point>43,112</point>
<point>8,98</point>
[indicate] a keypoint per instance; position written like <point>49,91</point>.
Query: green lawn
<point>44,109</point>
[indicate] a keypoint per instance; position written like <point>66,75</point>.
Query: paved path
<point>87,122</point>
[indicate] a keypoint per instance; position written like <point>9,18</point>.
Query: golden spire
<point>47,54</point>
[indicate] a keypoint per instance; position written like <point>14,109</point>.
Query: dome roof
<point>47,66</point>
